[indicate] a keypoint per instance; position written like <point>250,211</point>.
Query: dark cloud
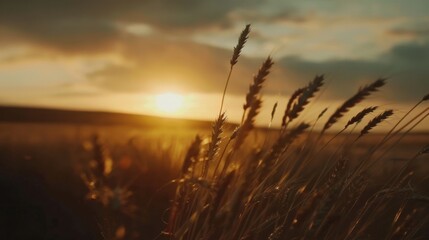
<point>414,54</point>
<point>281,15</point>
<point>409,32</point>
<point>68,26</point>
<point>404,65</point>
<point>91,26</point>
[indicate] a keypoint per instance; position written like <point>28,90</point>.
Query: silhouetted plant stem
<point>224,90</point>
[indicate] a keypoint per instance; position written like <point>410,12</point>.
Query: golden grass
<point>292,187</point>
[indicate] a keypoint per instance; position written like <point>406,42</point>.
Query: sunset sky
<point>121,55</point>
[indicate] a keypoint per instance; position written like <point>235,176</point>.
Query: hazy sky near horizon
<point>118,55</point>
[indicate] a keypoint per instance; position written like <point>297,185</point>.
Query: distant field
<point>41,166</point>
<point>48,115</point>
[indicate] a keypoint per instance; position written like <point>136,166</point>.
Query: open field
<point>99,175</point>
<point>44,195</point>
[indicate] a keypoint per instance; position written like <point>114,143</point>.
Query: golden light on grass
<point>170,103</point>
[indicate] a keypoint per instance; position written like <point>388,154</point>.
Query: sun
<point>169,102</point>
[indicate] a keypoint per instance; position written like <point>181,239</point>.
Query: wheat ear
<point>234,59</point>
<point>351,102</point>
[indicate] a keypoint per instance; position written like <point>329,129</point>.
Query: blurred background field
<point>43,193</point>
<point>341,158</point>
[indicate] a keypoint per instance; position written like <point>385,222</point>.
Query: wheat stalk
<point>256,86</point>
<point>358,117</point>
<point>375,121</point>
<point>240,44</point>
<point>283,141</point>
<point>192,155</point>
<point>303,97</point>
<point>234,59</point>
<point>215,141</point>
<point>389,134</point>
<point>249,122</point>
<point>322,113</point>
<point>351,102</point>
<point>292,99</point>
<point>273,112</point>
<point>275,192</point>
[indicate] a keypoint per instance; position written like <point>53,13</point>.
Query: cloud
<point>88,27</point>
<point>76,94</point>
<point>93,26</point>
<point>405,66</point>
<point>168,57</point>
<point>409,32</point>
<point>285,14</point>
<point>412,30</point>
<point>154,64</point>
<point>415,54</point>
<point>159,64</point>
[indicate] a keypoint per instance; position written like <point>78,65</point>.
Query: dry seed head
<point>375,121</point>
<point>351,102</point>
<point>358,117</point>
<point>322,113</point>
<point>249,123</point>
<point>254,110</point>
<point>241,41</point>
<point>304,98</point>
<point>292,99</point>
<point>258,80</point>
<point>234,133</point>
<point>192,154</point>
<point>273,111</point>
<point>216,138</point>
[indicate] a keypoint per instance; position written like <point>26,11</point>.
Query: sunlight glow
<point>169,102</point>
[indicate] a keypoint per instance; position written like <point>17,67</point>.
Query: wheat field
<point>233,181</point>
